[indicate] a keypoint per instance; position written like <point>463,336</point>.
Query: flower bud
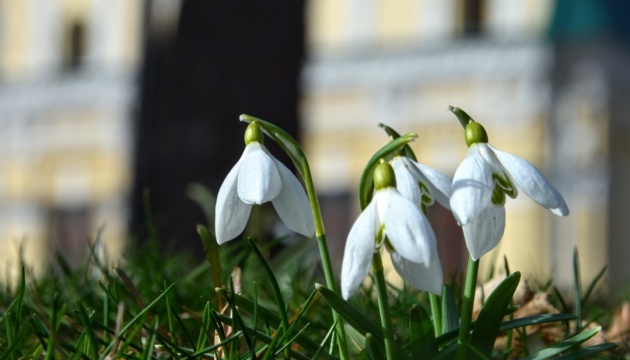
<point>254,134</point>
<point>475,133</point>
<point>384,176</point>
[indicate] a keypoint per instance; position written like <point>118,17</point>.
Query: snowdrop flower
<point>257,178</point>
<point>394,221</point>
<point>421,184</point>
<point>481,184</point>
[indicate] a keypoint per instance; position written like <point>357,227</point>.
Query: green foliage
<point>167,306</point>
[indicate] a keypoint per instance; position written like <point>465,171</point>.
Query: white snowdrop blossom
<point>258,177</point>
<point>395,222</point>
<point>480,186</point>
<point>421,184</point>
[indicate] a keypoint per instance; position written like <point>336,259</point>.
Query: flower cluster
<point>396,216</point>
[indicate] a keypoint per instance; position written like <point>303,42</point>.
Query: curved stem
<point>467,309</point>
<point>292,148</point>
<point>383,306</point>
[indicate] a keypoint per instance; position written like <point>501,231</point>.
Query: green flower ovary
<point>254,134</point>
<point>475,133</point>
<point>384,176</point>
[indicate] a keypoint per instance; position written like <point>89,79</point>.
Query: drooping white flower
<point>480,186</point>
<point>258,177</point>
<point>421,184</point>
<point>394,221</point>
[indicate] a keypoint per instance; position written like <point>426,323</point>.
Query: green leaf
<point>373,351</point>
<point>386,152</point>
<point>422,339</point>
<point>589,351</point>
<point>491,315</point>
<point>140,316</point>
<point>353,317</point>
<point>269,316</point>
<point>206,326</point>
<point>395,135</point>
<point>147,352</point>
<point>328,336</point>
<point>450,315</point>
<point>284,320</point>
<point>565,345</point>
<point>592,285</point>
<point>534,320</point>
<point>577,283</point>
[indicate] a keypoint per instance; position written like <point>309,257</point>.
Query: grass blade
<point>353,317</point>
<point>422,339</point>
<point>589,351</point>
<point>564,345</point>
<point>592,285</point>
<point>577,301</point>
<point>491,315</point>
<point>450,315</point>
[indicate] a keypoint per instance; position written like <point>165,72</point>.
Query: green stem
<point>383,306</point>
<point>332,284</point>
<point>292,148</point>
<point>329,274</point>
<point>437,314</point>
<point>467,309</point>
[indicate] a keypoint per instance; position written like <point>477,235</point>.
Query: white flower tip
<point>435,289</point>
<point>560,211</point>
<point>461,221</point>
<point>346,293</point>
<point>319,286</point>
<point>221,237</point>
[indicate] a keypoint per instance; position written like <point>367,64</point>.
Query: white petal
<point>407,229</point>
<point>484,232</point>
<point>440,184</point>
<point>472,187</point>
<point>406,184</point>
<point>427,278</point>
<point>292,204</point>
<point>357,257</point>
<point>258,178</point>
<point>533,183</point>
<point>231,212</point>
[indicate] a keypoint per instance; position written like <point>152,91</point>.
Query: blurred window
<point>472,13</point>
<point>68,230</point>
<point>74,45</point>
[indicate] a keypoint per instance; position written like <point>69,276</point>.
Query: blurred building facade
<point>66,88</point>
<point>67,92</point>
<point>402,63</point>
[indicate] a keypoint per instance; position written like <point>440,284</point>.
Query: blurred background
<point>106,102</point>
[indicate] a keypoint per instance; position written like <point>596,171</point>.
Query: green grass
<point>162,306</point>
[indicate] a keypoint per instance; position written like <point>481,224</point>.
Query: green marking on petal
<point>389,246</point>
<point>427,198</point>
<point>498,196</point>
<point>380,236</point>
<point>253,133</point>
<point>505,183</point>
